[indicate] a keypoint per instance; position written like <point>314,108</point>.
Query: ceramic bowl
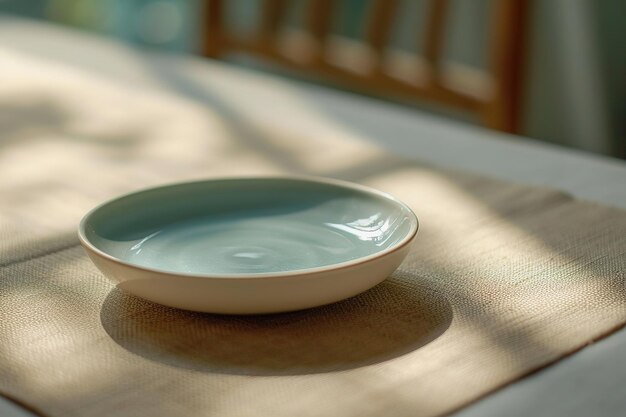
<point>249,245</point>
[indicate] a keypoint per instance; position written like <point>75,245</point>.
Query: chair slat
<point>213,29</point>
<point>379,22</point>
<point>318,21</point>
<point>434,36</point>
<point>272,14</point>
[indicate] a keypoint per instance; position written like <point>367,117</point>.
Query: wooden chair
<point>493,96</point>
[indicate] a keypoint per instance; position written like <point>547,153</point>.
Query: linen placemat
<point>503,279</point>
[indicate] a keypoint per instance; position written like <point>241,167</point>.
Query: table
<point>591,382</point>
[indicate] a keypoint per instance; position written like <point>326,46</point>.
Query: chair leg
<point>507,52</point>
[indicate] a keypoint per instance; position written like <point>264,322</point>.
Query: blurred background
<point>551,70</point>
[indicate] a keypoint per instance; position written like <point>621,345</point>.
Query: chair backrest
<point>493,95</point>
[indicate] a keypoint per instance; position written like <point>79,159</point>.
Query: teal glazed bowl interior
<point>263,229</point>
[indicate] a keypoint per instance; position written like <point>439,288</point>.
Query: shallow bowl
<point>249,245</point>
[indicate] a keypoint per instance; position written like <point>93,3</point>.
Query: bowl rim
<point>407,239</point>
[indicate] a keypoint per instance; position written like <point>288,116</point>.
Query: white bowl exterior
<point>253,295</point>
